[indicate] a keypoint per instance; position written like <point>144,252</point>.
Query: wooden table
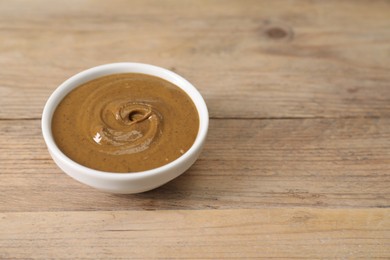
<point>297,162</point>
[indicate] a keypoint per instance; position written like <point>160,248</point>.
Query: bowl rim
<point>102,70</point>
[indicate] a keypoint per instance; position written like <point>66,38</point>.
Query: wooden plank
<point>218,234</point>
<point>245,164</point>
<point>250,59</point>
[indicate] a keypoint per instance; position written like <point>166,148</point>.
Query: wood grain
<point>250,59</point>
<point>228,234</point>
<point>297,162</point>
<point>245,164</point>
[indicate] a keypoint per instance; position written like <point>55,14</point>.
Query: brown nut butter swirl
<point>125,128</point>
<point>125,123</point>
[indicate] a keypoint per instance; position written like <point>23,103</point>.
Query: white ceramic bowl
<point>124,183</point>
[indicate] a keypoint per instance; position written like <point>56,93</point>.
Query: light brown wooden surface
<point>297,163</point>
<point>245,164</point>
<point>332,62</point>
<point>203,234</point>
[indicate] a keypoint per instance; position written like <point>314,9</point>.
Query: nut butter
<point>125,123</point>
